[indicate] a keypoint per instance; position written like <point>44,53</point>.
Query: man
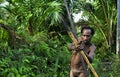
<point>78,65</point>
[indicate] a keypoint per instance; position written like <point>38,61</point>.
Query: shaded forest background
<point>34,41</point>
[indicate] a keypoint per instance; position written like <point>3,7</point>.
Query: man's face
<point>86,35</point>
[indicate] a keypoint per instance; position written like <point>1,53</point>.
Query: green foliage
<point>103,68</point>
<point>115,65</point>
<point>107,68</point>
<point>45,55</point>
<point>31,16</point>
<point>42,58</point>
<point>3,39</point>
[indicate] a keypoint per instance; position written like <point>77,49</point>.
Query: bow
<point>74,39</point>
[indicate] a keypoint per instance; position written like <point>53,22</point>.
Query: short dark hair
<point>88,27</point>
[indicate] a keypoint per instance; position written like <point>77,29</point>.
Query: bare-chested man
<point>78,65</point>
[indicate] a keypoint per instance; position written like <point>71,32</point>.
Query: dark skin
<point>78,65</point>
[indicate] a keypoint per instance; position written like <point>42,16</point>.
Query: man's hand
<point>79,48</point>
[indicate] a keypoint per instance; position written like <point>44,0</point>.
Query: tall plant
<point>28,18</point>
<point>118,29</point>
<point>103,15</point>
<point>33,16</point>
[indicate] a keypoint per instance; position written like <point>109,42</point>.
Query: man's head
<point>87,33</point>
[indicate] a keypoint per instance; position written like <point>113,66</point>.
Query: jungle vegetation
<point>34,40</point>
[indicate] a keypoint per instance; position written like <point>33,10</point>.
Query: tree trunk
<point>118,29</point>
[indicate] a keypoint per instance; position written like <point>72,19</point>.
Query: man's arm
<point>71,47</point>
<point>91,53</point>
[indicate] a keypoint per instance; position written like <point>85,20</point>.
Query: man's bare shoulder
<point>93,46</point>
